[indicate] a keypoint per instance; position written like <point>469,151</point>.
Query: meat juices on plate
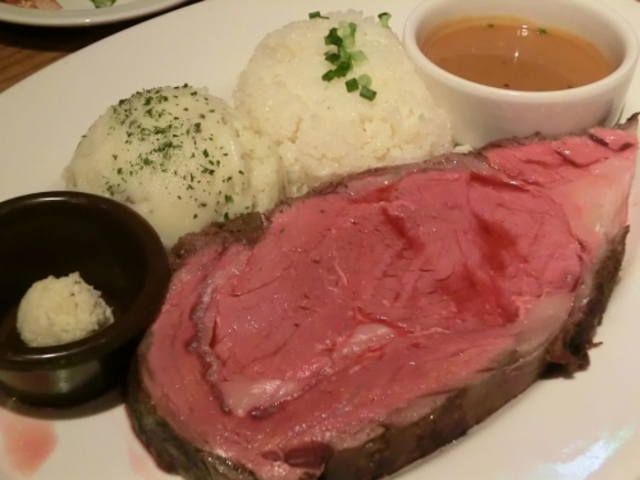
<point>361,327</point>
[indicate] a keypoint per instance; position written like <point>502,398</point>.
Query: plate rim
<point>84,17</point>
<point>543,398</point>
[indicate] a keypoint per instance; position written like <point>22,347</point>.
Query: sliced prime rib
<point>363,326</point>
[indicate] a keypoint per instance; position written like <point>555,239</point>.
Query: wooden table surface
<point>25,50</point>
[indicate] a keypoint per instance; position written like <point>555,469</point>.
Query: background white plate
<point>82,13</point>
<point>587,427</point>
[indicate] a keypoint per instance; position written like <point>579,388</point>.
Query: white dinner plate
<point>82,13</point>
<point>584,428</point>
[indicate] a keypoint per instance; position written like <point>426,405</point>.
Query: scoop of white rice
<point>319,129</point>
<point>174,155</point>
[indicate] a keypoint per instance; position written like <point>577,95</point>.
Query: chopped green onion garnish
<point>316,15</point>
<point>352,85</point>
<point>343,29</point>
<point>358,56</point>
<point>343,67</point>
<point>328,75</point>
<point>384,19</point>
<point>103,3</point>
<point>332,57</point>
<point>343,38</point>
<point>333,38</point>
<point>541,31</point>
<point>347,31</point>
<point>364,80</point>
<point>349,42</point>
<point>367,93</point>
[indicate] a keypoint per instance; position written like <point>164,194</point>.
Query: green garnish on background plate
<point>103,3</point>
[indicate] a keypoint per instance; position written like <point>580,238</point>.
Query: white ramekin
<point>480,114</point>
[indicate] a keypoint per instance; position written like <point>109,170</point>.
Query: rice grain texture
<point>319,129</point>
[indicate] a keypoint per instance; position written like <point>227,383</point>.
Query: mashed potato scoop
<point>174,154</point>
